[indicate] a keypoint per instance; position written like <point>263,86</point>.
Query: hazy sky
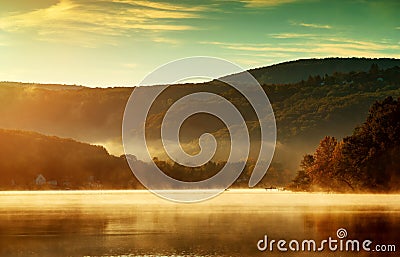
<point>117,42</point>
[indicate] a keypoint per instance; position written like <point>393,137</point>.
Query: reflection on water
<point>137,223</point>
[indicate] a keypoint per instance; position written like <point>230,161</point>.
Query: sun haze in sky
<point>117,42</point>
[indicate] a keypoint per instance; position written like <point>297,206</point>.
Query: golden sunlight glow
<point>69,19</point>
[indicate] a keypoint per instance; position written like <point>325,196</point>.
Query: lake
<point>138,223</point>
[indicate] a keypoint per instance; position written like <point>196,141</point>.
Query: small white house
<point>40,180</point>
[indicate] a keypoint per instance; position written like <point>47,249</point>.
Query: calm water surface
<point>137,223</point>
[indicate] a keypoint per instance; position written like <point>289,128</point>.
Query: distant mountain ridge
<point>295,71</point>
<point>43,86</point>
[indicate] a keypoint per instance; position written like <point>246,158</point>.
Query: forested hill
<point>29,160</point>
<point>305,111</point>
<point>295,71</point>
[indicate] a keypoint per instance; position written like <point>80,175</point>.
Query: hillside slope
<point>295,71</point>
<point>63,163</point>
<point>305,111</point>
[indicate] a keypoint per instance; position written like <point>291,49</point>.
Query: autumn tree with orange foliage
<point>368,160</point>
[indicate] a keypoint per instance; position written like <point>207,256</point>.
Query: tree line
<point>368,160</point>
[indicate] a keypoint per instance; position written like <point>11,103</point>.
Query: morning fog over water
<point>138,223</point>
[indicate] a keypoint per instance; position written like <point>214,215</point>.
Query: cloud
<point>164,6</point>
<point>313,25</point>
<point>255,47</point>
<point>361,45</point>
<point>165,40</point>
<point>266,3</point>
<point>322,47</point>
<point>90,20</point>
<point>291,35</point>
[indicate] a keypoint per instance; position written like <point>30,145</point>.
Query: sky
<point>102,43</point>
